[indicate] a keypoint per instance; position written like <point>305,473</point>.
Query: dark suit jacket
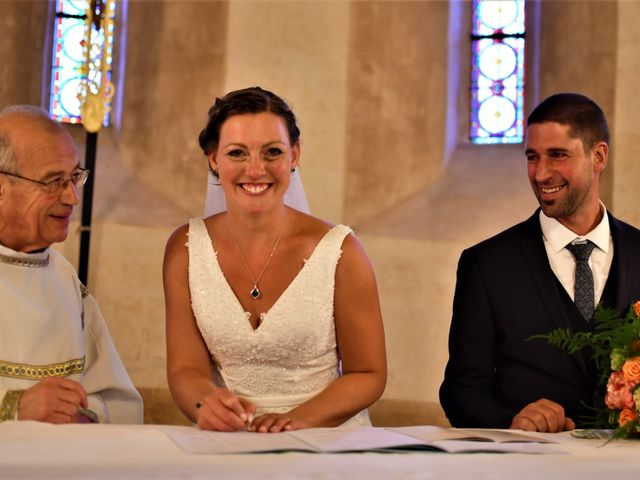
<point>506,292</point>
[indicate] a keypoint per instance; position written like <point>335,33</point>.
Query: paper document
<point>363,439</point>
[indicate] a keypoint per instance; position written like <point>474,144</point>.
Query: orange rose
<point>636,308</point>
<point>631,370</point>
<point>626,416</point>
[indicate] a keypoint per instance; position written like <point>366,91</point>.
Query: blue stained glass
<point>67,78</point>
<point>497,71</point>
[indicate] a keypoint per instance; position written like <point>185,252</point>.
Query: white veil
<point>293,197</point>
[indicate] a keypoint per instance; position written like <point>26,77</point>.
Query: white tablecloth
<point>31,450</point>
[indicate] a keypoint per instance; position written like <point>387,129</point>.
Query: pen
<point>248,419</point>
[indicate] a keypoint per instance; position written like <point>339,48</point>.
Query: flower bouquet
<point>615,343</point>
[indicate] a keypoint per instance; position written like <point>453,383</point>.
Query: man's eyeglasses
<point>57,186</point>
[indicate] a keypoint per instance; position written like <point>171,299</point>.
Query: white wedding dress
<point>292,356</point>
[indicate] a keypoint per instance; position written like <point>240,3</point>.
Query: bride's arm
<point>360,336</point>
<point>188,361</point>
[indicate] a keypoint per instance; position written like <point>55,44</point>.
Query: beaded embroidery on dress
<point>292,356</point>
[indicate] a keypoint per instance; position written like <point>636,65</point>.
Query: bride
<point>273,318</point>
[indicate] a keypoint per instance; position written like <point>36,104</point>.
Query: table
<point>30,450</point>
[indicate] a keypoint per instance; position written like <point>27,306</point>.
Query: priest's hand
<point>53,400</point>
<point>542,416</point>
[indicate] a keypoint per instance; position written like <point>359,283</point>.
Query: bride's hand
<point>276,422</point>
<point>224,412</point>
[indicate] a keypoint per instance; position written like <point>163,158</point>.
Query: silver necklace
<point>255,291</point>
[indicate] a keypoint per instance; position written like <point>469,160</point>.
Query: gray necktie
<point>584,278</point>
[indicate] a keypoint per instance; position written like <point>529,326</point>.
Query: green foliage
<point>611,341</point>
<point>609,332</point>
<point>625,432</point>
<point>565,339</point>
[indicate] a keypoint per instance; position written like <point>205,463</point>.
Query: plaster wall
<point>396,104</point>
<point>626,137</point>
<point>21,24</point>
<point>578,53</point>
<point>415,248</point>
<point>174,69</point>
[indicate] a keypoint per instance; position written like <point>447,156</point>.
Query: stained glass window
<point>69,79</point>
<point>497,71</point>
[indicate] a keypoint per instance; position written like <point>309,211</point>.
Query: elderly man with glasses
<point>57,361</point>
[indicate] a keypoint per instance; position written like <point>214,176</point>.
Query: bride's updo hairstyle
<point>239,102</point>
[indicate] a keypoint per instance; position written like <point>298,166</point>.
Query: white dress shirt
<point>557,237</point>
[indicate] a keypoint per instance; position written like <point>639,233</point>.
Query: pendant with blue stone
<point>255,292</point>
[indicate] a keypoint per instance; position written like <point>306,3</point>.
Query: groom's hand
<point>542,416</point>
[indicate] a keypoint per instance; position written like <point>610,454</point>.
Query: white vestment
<point>51,326</point>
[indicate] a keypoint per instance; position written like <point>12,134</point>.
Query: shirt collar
<point>38,259</point>
<point>560,236</point>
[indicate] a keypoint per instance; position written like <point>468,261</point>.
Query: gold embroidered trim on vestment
<point>84,290</point>
<point>37,372</point>
<point>24,262</point>
<point>9,405</point>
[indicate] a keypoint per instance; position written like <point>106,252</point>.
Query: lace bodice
<point>292,355</point>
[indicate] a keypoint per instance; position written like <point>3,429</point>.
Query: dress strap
<point>196,230</point>
<point>338,233</point>
<point>330,247</point>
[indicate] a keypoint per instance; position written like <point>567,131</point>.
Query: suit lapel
<point>538,263</point>
<point>624,264</point>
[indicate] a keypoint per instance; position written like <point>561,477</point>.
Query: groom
<point>533,278</point>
